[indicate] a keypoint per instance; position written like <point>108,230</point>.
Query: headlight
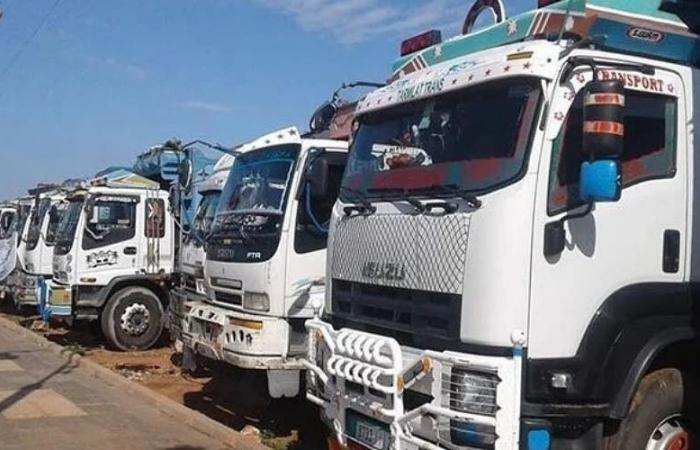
<point>256,301</point>
<point>30,267</point>
<point>473,392</point>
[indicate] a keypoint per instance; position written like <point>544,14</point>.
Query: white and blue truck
<point>514,258</point>
<point>116,250</point>
<point>191,284</point>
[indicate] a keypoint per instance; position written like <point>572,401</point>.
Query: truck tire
<point>133,319</point>
<point>657,419</point>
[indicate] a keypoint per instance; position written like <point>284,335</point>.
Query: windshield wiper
<point>364,206</point>
<point>471,199</point>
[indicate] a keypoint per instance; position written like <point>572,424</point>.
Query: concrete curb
<point>181,413</point>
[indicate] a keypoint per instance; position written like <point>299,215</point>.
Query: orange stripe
<point>605,99</point>
<point>604,127</point>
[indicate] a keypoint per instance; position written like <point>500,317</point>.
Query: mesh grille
<point>432,249</point>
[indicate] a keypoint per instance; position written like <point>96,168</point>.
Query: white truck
<point>513,260</point>
<point>191,286</point>
<point>8,245</point>
<point>23,208</point>
<point>266,256</point>
<point>36,248</point>
<point>114,258</point>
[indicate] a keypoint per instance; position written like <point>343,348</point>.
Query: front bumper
<point>177,310</point>
<point>242,340</point>
<point>24,291</point>
<point>408,393</point>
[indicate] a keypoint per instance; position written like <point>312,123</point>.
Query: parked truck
<point>191,283</point>
<point>514,254</point>
<point>8,245</point>
<point>23,207</point>
<point>36,247</point>
<point>265,256</point>
<point>116,251</point>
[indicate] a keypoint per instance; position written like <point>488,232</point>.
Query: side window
<point>55,216</point>
<point>314,213</point>
<point>155,218</point>
<point>649,151</point>
<point>110,221</point>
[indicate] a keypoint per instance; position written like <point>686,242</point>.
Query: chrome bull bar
<point>378,363</point>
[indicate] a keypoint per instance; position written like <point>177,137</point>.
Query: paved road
<point>48,403</point>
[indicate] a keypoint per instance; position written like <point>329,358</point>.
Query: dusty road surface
<point>234,399</point>
<point>47,401</point>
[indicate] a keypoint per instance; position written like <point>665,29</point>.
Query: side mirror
<point>323,117</point>
<point>603,141</point>
<point>317,177</point>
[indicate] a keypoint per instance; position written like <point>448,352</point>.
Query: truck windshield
<point>65,235</point>
<point>475,140</point>
<point>36,222</point>
<point>205,216</point>
<point>259,181</point>
<point>55,217</point>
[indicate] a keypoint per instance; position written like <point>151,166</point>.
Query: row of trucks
<point>511,262</point>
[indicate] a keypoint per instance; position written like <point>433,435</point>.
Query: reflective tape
<point>604,127</point>
<point>607,99</point>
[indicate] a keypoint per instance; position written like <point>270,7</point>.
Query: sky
<point>101,81</point>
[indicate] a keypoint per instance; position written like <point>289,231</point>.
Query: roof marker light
<point>420,42</point>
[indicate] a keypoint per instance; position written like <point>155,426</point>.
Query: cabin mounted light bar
<point>420,42</point>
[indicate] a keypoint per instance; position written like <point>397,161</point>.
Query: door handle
<point>672,251</point>
<point>129,250</point>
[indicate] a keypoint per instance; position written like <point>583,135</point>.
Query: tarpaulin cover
<point>8,256</point>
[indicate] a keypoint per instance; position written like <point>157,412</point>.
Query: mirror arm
<point>578,61</point>
<point>578,215</point>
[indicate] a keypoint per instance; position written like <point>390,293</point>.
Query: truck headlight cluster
<point>473,392</point>
<point>256,301</point>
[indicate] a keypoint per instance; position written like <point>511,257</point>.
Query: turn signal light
<point>420,42</point>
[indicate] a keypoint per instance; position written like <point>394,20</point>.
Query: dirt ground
<point>236,399</point>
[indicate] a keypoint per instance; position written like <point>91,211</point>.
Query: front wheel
<point>133,319</point>
<point>657,419</point>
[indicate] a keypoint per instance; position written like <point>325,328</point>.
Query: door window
<point>649,147</point>
<point>110,221</point>
<point>155,218</point>
<point>314,213</point>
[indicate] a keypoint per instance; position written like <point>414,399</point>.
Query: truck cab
<point>37,247</point>
<point>514,252</point>
<point>8,245</point>
<point>114,257</point>
<point>191,285</point>
<point>24,207</point>
<point>266,256</point>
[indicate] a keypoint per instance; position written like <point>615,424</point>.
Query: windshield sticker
<point>637,81</point>
<point>430,87</point>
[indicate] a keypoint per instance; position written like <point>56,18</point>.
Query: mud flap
<point>189,362</point>
<point>283,383</point>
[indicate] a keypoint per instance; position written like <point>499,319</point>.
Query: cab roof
<point>635,27</point>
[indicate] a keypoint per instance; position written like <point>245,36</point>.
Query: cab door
<point>110,244</point>
<point>307,248</point>
<point>622,258</point>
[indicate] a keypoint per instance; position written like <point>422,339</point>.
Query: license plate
<point>371,433</point>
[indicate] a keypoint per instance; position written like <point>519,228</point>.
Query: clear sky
<point>105,79</point>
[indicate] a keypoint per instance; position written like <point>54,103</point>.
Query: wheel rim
<point>670,434</point>
<point>135,319</point>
